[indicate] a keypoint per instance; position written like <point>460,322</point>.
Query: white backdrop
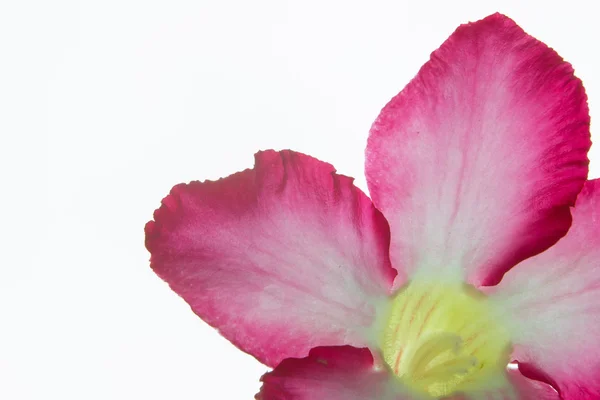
<point>104,105</point>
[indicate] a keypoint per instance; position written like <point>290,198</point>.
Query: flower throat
<point>442,338</point>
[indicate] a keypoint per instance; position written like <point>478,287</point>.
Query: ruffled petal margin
<point>476,162</point>
<point>280,258</point>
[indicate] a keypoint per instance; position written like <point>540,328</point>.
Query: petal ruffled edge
<point>280,258</point>
<point>476,162</point>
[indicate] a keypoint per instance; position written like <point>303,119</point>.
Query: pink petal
<point>280,258</point>
<point>552,303</point>
<point>515,387</point>
<point>529,389</point>
<point>332,373</point>
<point>348,373</point>
<point>476,162</point>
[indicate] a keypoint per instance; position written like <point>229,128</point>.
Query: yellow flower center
<point>442,338</point>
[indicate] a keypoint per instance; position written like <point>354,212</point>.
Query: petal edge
<point>476,162</point>
<point>280,258</point>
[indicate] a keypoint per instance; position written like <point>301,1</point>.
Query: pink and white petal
<point>476,162</point>
<point>332,373</point>
<point>551,303</point>
<point>349,373</point>
<point>513,386</point>
<point>280,258</point>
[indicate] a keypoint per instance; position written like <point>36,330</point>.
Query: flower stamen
<point>434,344</point>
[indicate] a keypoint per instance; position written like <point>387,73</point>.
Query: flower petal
<point>513,386</point>
<point>552,304</point>
<point>529,389</point>
<point>332,373</point>
<point>349,373</point>
<point>476,162</point>
<point>280,258</point>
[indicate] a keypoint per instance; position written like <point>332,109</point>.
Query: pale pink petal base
<point>331,373</point>
<point>476,162</point>
<point>281,258</point>
<point>552,304</point>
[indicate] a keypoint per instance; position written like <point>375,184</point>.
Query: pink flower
<point>457,268</point>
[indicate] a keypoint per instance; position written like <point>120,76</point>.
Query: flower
<point>468,288</point>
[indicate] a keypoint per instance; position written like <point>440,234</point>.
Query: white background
<point>104,105</point>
